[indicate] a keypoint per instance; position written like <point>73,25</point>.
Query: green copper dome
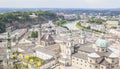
<point>102,43</point>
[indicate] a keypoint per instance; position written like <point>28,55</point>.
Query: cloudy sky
<point>59,3</point>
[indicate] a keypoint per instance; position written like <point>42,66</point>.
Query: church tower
<point>69,48</point>
<point>39,34</point>
<point>82,39</point>
<point>9,51</point>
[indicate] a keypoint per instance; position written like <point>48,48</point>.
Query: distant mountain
<point>3,10</point>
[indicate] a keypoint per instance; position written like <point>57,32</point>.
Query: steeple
<point>82,37</point>
<point>39,34</point>
<point>9,51</point>
<point>70,35</point>
<point>70,45</point>
<point>8,44</point>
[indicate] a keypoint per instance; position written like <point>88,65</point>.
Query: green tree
<point>96,20</point>
<point>34,34</point>
<point>113,27</point>
<point>10,18</point>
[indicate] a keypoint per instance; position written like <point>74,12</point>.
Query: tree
<point>10,18</point>
<point>96,20</point>
<point>2,27</point>
<point>113,27</point>
<point>118,23</point>
<point>34,34</point>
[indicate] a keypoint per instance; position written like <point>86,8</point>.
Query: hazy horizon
<point>89,4</point>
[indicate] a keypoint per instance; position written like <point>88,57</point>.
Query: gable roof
<point>47,37</point>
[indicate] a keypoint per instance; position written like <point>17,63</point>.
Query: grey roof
<point>47,37</point>
<point>2,57</point>
<point>86,49</point>
<point>81,56</point>
<point>46,51</point>
<point>104,62</point>
<point>106,54</point>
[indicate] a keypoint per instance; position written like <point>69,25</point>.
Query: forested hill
<point>21,19</point>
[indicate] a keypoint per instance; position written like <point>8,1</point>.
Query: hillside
<point>21,19</point>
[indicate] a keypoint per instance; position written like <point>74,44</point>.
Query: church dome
<point>102,43</point>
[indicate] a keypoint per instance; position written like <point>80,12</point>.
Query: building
<point>112,24</point>
<point>45,54</point>
<point>70,17</point>
<point>47,40</point>
<point>97,57</point>
<point>114,32</point>
<point>98,27</point>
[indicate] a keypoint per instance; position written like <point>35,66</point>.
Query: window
<point>96,61</point>
<point>117,65</point>
<point>81,61</point>
<point>90,60</point>
<point>112,61</point>
<point>77,59</point>
<point>102,67</point>
<point>98,49</point>
<point>112,66</point>
<point>102,49</point>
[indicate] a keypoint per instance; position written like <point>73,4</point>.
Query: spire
<point>82,33</point>
<point>8,41</point>
<point>9,51</point>
<point>70,35</point>
<point>39,34</point>
<point>82,39</point>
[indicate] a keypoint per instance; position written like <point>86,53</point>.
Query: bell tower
<point>82,39</point>
<point>69,48</point>
<point>39,34</point>
<point>9,51</point>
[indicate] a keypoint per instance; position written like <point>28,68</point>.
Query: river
<point>72,25</point>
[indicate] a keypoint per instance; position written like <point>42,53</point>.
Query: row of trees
<point>78,25</point>
<point>96,20</point>
<point>60,22</point>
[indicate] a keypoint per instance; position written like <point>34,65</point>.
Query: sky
<point>59,3</point>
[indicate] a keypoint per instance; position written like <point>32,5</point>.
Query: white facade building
<point>45,54</point>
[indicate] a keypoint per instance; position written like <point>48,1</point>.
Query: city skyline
<point>60,4</point>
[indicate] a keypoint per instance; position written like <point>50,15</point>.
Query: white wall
<point>43,56</point>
